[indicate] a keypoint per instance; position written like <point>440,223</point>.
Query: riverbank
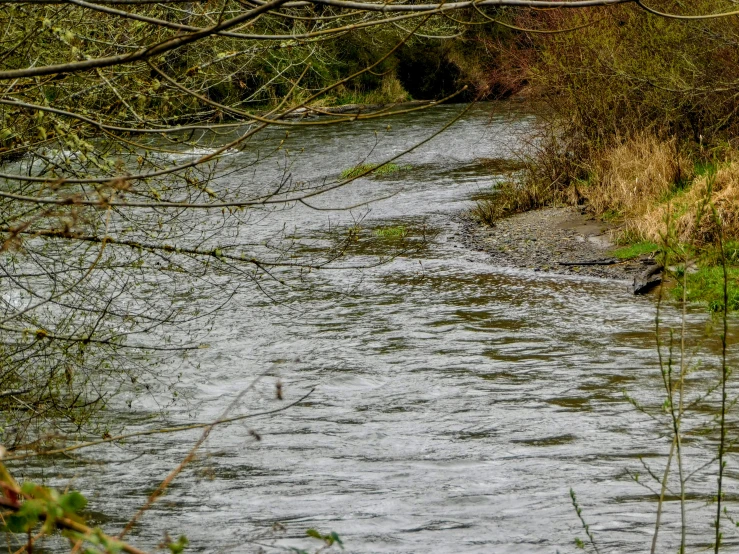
<point>656,201</point>
<point>563,240</point>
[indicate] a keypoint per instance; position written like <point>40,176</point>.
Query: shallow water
<point>455,403</point>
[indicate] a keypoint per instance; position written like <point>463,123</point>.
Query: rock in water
<point>648,279</point>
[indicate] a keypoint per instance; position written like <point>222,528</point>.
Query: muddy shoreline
<point>561,240</point>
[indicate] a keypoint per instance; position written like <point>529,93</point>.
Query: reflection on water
<point>455,403</point>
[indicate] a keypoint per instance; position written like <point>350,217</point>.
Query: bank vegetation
<point>640,128</point>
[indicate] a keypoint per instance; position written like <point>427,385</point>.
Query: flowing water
<point>455,403</point>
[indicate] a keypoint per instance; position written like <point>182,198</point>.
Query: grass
<point>390,91</point>
<point>635,174</point>
<point>691,212</point>
<point>706,167</point>
<point>396,232</point>
<point>657,192</point>
<point>611,216</point>
<point>636,250</point>
<point>487,212</point>
<point>376,170</point>
<point>513,196</point>
<point>706,285</point>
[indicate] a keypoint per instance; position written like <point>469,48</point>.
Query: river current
<point>455,404</point>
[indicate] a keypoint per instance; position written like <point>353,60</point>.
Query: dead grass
<point>690,213</point>
<point>632,177</point>
<point>533,181</point>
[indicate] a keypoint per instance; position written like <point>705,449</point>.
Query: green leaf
<point>336,539</point>
<point>29,489</point>
<point>26,517</point>
<point>315,534</point>
<point>72,502</point>
<point>111,545</point>
<point>179,546</point>
<point>16,523</point>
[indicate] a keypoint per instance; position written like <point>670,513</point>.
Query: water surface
<point>455,403</point>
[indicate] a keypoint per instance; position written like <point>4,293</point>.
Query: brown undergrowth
<point>626,180</point>
<point>640,129</point>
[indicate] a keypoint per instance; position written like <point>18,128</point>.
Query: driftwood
<point>312,112</point>
<point>610,261</point>
<point>647,279</point>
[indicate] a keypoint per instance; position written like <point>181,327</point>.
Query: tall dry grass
<point>691,213</point>
<point>628,179</point>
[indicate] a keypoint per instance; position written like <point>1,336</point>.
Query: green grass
<point>487,211</point>
<point>703,167</point>
<point>707,286</point>
<point>386,169</point>
<point>611,215</point>
<point>636,250</point>
<point>397,232</point>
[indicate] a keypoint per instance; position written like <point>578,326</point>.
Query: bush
<point>627,72</point>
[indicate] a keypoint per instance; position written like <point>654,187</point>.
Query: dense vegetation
<point>217,77</point>
<point>642,126</point>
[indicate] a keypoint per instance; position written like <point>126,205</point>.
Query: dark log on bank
<point>610,261</point>
<point>308,112</point>
<point>647,279</point>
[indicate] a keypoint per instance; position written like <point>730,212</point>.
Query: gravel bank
<point>555,240</point>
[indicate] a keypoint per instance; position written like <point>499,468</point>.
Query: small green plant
<point>376,169</point>
<point>611,215</point>
<point>731,252</point>
<point>176,547</point>
<point>706,167</point>
<point>710,255</point>
<point>43,505</point>
<point>635,250</point>
<point>329,539</point>
<point>397,232</point>
<point>353,233</point>
<point>591,539</point>
<point>487,212</point>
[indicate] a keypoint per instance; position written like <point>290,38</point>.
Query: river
<point>455,404</point>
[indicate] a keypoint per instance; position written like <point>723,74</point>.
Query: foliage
<point>33,511</point>
<point>624,73</point>
<point>116,126</point>
<point>329,539</point>
<point>373,169</point>
<point>117,233</point>
<point>512,196</point>
<point>635,105</point>
<point>93,286</point>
